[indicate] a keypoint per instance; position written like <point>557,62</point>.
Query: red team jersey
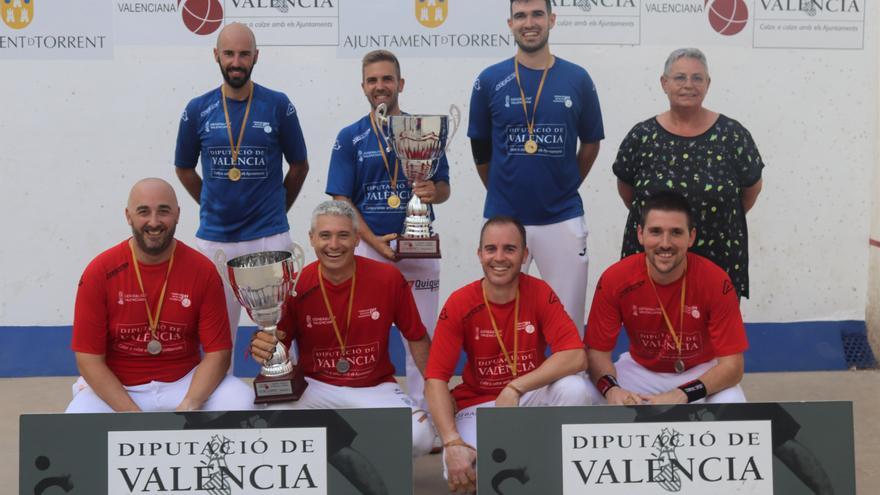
<point>464,323</point>
<point>110,317</point>
<point>713,324</point>
<point>382,297</point>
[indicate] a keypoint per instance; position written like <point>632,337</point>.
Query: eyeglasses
<point>682,79</point>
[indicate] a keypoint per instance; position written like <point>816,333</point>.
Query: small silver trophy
<point>419,141</point>
<point>262,283</point>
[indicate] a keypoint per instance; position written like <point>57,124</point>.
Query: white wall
<point>75,135</point>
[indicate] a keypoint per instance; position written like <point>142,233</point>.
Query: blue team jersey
<point>254,206</point>
<point>357,171</point>
<point>537,189</point>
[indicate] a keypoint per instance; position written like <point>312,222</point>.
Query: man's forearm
<point>601,364</point>
<point>191,181</point>
<point>294,180</point>
<point>207,376</point>
<point>727,373</point>
<point>586,157</point>
<point>419,350</point>
<point>105,384</point>
<point>442,408</point>
<point>558,365</point>
<point>483,172</point>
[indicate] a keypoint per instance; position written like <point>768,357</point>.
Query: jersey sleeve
<point>342,173</point>
<point>293,144</point>
<point>186,153</point>
<point>442,174</point>
<point>749,166</point>
<point>214,333</point>
<point>590,127</point>
<point>406,313</point>
<point>626,165</point>
<point>604,322</point>
<point>288,321</point>
<point>726,329</point>
<point>446,345</point>
<point>480,117</point>
<point>90,318</point>
<point>557,326</point>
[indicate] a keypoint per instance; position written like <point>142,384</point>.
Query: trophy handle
<point>297,261</point>
<point>455,117</point>
<point>381,114</point>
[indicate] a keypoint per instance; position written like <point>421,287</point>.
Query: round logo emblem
<point>185,302</point>
<point>268,129</point>
<point>374,315</point>
<point>695,313</point>
<point>568,103</point>
<point>530,329</point>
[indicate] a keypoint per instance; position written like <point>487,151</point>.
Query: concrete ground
<point>33,395</point>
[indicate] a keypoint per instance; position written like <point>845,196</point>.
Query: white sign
<point>426,28</point>
<point>597,22</point>
<point>167,22</point>
<point>718,458</point>
<point>838,24</point>
<point>288,22</point>
<point>51,29</point>
<point>219,462</point>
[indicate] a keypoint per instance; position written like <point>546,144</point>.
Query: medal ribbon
<point>235,148</point>
<point>153,322</point>
<point>342,342</point>
<point>675,337</point>
<point>530,124</point>
<point>511,363</point>
<point>384,157</point>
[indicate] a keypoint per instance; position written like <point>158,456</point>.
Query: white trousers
<point>320,395</point>
<point>560,251</point>
<point>277,242</point>
<point>424,276</point>
<point>569,390</point>
<point>635,377</point>
<point>231,394</point>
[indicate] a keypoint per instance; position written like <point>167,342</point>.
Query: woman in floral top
<point>708,157</point>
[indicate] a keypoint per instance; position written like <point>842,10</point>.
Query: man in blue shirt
<point>365,172</point>
<point>527,116</point>
<point>241,130</point>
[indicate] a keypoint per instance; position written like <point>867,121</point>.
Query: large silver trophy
<point>419,141</point>
<point>262,283</point>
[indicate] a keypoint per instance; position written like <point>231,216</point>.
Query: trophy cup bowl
<point>262,282</point>
<point>419,141</point>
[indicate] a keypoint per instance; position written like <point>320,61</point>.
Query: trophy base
<point>408,247</point>
<point>283,388</point>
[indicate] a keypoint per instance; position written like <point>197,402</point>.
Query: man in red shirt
<point>340,321</point>
<point>504,322</point>
<point>144,309</point>
<point>681,314</point>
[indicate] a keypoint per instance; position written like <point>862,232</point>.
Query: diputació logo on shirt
<point>551,139</point>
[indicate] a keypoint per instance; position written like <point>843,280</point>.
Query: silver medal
<point>343,365</point>
<point>679,366</point>
<point>154,347</point>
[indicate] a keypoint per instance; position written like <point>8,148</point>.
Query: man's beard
<point>156,249</point>
<point>236,83</point>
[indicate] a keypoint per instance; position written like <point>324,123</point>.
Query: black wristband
<point>606,383</point>
<point>694,390</point>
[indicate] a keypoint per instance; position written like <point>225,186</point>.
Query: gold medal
<point>343,365</point>
<point>394,201</point>
<point>234,174</point>
<point>531,146</point>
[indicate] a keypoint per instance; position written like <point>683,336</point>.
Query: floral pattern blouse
<point>710,170</point>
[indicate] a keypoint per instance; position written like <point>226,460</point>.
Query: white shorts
<point>277,242</point>
<point>320,395</point>
<point>231,394</point>
<point>636,378</point>
<point>424,276</point>
<point>569,390</point>
<point>560,251</point>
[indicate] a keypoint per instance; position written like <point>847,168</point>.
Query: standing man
<point>240,130</point>
<point>365,172</point>
<point>504,323</point>
<point>145,311</point>
<point>527,115</point>
<point>681,314</point>
<point>341,320</point>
